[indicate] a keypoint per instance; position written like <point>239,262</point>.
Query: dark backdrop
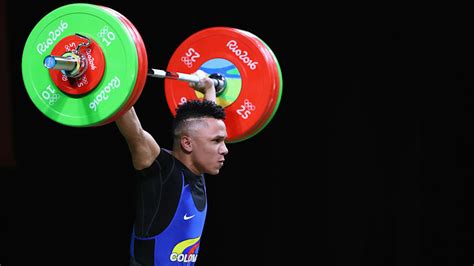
<point>69,194</point>
<point>368,161</point>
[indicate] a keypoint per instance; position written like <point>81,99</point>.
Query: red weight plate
<point>249,110</point>
<point>91,54</point>
<point>277,79</point>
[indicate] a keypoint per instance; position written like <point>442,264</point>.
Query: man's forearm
<point>210,94</point>
<point>129,125</point>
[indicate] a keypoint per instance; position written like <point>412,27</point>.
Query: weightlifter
<point>96,72</point>
<point>171,195</point>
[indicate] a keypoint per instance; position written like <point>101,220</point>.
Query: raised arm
<point>143,147</point>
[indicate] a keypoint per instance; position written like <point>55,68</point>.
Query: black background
<point>368,161</point>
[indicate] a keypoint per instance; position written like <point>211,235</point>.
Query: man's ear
<point>186,143</point>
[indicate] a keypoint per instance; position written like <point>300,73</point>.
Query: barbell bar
<point>68,64</point>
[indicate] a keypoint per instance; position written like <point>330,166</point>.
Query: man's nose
<point>224,149</point>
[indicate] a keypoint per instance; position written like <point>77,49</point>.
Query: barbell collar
<point>60,63</point>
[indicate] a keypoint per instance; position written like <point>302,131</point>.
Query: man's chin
<point>214,172</point>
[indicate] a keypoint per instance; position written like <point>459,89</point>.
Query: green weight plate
<point>119,77</point>
<point>142,64</point>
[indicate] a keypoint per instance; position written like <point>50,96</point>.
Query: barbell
<point>86,65</point>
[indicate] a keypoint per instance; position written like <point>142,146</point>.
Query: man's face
<point>209,147</point>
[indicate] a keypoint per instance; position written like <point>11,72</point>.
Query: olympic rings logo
<point>106,35</point>
<point>190,57</point>
<point>54,99</point>
<point>50,95</point>
<point>188,62</point>
<point>103,32</point>
<point>246,109</point>
<point>248,105</point>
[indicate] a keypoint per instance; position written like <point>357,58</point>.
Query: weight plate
<point>278,88</point>
<point>94,71</point>
<point>142,64</point>
<point>119,77</point>
<point>251,62</point>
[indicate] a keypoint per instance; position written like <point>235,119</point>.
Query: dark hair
<point>196,109</point>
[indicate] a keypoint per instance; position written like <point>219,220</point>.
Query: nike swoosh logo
<point>186,217</point>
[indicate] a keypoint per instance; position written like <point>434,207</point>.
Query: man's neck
<point>185,159</point>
